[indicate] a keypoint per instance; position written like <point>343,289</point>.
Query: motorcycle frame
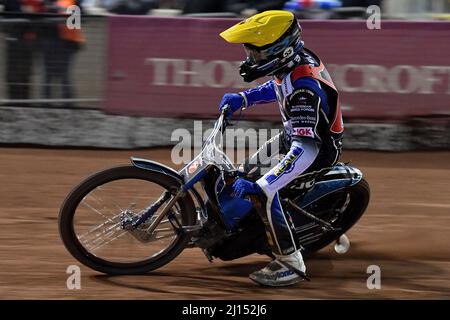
<point>197,170</point>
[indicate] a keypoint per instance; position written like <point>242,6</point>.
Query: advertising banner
<point>181,67</point>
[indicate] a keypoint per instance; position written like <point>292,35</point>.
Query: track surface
<point>405,231</point>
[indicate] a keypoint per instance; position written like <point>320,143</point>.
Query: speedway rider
<point>313,127</point>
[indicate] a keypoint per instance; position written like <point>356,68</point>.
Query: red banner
<point>180,67</point>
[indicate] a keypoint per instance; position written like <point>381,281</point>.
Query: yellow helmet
<point>261,29</point>
<point>271,40</point>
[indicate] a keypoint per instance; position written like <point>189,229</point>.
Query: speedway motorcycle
<point>136,218</point>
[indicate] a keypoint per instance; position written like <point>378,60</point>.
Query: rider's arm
<point>264,93</point>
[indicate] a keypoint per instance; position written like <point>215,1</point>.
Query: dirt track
<point>406,231</point>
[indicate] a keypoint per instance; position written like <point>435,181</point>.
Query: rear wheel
<point>91,218</point>
<point>342,209</point>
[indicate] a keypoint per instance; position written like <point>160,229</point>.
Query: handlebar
<point>226,108</point>
<point>212,149</point>
<point>225,112</point>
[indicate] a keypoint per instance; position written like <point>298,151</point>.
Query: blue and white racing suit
<point>310,141</point>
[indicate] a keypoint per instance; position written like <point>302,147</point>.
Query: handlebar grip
<point>226,108</point>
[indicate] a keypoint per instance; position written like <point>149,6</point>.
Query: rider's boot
<point>283,271</point>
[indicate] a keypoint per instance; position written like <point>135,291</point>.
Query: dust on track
<point>405,231</point>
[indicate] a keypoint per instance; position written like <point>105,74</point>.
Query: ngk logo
<point>303,132</point>
<point>196,73</point>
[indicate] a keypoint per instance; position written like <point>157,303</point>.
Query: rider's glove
<point>244,187</point>
<point>234,100</point>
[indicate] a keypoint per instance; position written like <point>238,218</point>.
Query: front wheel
<point>91,221</point>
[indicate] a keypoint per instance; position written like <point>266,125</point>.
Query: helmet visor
<point>255,56</point>
<point>258,55</point>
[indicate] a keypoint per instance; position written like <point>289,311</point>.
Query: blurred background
<point>163,61</point>
<point>139,69</point>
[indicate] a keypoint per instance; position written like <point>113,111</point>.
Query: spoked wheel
<point>92,221</point>
<point>341,209</point>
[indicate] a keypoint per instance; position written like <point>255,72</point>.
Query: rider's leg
<point>284,244</point>
<point>279,227</point>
